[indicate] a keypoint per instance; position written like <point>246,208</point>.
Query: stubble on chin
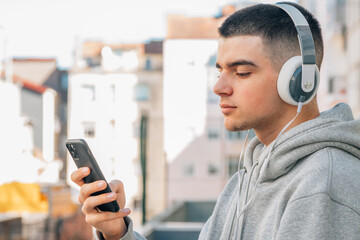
<point>247,125</point>
<point>237,127</point>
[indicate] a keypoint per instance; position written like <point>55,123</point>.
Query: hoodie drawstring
<point>262,170</point>
<point>241,216</point>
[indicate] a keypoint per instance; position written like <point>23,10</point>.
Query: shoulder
<point>344,178</point>
<point>331,162</point>
<point>336,165</point>
<point>333,172</point>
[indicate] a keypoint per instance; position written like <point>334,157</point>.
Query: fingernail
<point>101,184</point>
<point>84,170</point>
<point>125,210</point>
<point>111,195</point>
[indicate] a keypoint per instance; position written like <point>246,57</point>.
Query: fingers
<point>93,201</point>
<point>97,217</point>
<point>92,215</point>
<point>116,186</point>
<point>87,189</point>
<point>78,175</point>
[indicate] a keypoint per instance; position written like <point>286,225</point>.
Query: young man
<point>303,184</point>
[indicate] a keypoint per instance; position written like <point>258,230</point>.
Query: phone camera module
<point>75,155</point>
<point>73,152</point>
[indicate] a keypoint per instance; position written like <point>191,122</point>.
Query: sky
<point>49,28</point>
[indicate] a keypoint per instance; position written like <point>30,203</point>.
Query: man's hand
<point>110,224</point>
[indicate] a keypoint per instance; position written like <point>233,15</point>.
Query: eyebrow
<point>238,63</point>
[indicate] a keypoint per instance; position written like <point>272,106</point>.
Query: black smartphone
<point>82,156</point>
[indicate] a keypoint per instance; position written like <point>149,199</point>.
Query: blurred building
<point>43,101</point>
<point>16,142</point>
<point>340,70</point>
<point>201,154</point>
<point>111,88</point>
<point>351,33</point>
<point>29,123</point>
<point>29,178</point>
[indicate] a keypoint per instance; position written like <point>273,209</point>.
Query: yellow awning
<point>22,197</point>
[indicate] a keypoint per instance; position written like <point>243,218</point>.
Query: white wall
<point>113,145</point>
<point>185,92</point>
<point>16,140</point>
<point>187,116</point>
<point>353,56</point>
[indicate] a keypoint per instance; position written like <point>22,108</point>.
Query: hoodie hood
<point>333,128</point>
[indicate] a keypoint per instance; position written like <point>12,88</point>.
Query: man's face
<point>246,84</point>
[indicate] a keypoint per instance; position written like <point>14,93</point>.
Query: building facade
<point>110,90</point>
<point>201,154</point>
<point>339,75</point>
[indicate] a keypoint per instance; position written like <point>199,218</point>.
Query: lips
<point>227,108</point>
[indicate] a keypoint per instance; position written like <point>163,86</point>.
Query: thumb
<point>117,186</point>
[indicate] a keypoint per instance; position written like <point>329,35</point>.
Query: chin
<point>235,127</point>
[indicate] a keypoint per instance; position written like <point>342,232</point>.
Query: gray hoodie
<point>310,188</point>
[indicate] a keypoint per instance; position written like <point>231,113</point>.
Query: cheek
<point>254,95</point>
<point>258,102</point>
<point>259,97</point>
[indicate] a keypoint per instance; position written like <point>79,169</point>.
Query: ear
<point>289,82</point>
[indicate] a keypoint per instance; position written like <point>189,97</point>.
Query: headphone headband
<point>307,46</point>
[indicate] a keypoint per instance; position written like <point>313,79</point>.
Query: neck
<point>267,134</point>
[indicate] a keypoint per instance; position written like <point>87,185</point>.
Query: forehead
<point>249,48</point>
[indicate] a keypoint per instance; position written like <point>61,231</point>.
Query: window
<point>213,133</point>
<point>64,81</point>
<point>137,204</point>
<point>148,64</point>
<point>142,92</point>
<point>113,130</point>
<point>331,85</point>
<point>89,129</point>
<point>112,90</point>
<point>87,92</point>
<point>213,169</point>
<point>240,135</point>
<point>188,170</point>
<point>232,162</point>
<point>233,136</point>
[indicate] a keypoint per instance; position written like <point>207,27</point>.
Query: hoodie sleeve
<point>319,217</point>
<point>130,234</point>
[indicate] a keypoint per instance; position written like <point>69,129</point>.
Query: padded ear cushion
<point>291,71</point>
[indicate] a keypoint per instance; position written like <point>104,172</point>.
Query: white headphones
<point>299,77</point>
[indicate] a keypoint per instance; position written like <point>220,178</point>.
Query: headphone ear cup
<point>289,82</point>
<point>311,95</point>
<point>286,73</point>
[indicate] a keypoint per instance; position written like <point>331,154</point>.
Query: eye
<point>246,74</point>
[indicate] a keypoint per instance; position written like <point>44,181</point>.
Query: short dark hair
<point>276,29</point>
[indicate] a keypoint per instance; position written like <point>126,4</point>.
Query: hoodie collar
<point>333,128</point>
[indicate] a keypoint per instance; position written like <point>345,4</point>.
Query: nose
<point>222,86</point>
